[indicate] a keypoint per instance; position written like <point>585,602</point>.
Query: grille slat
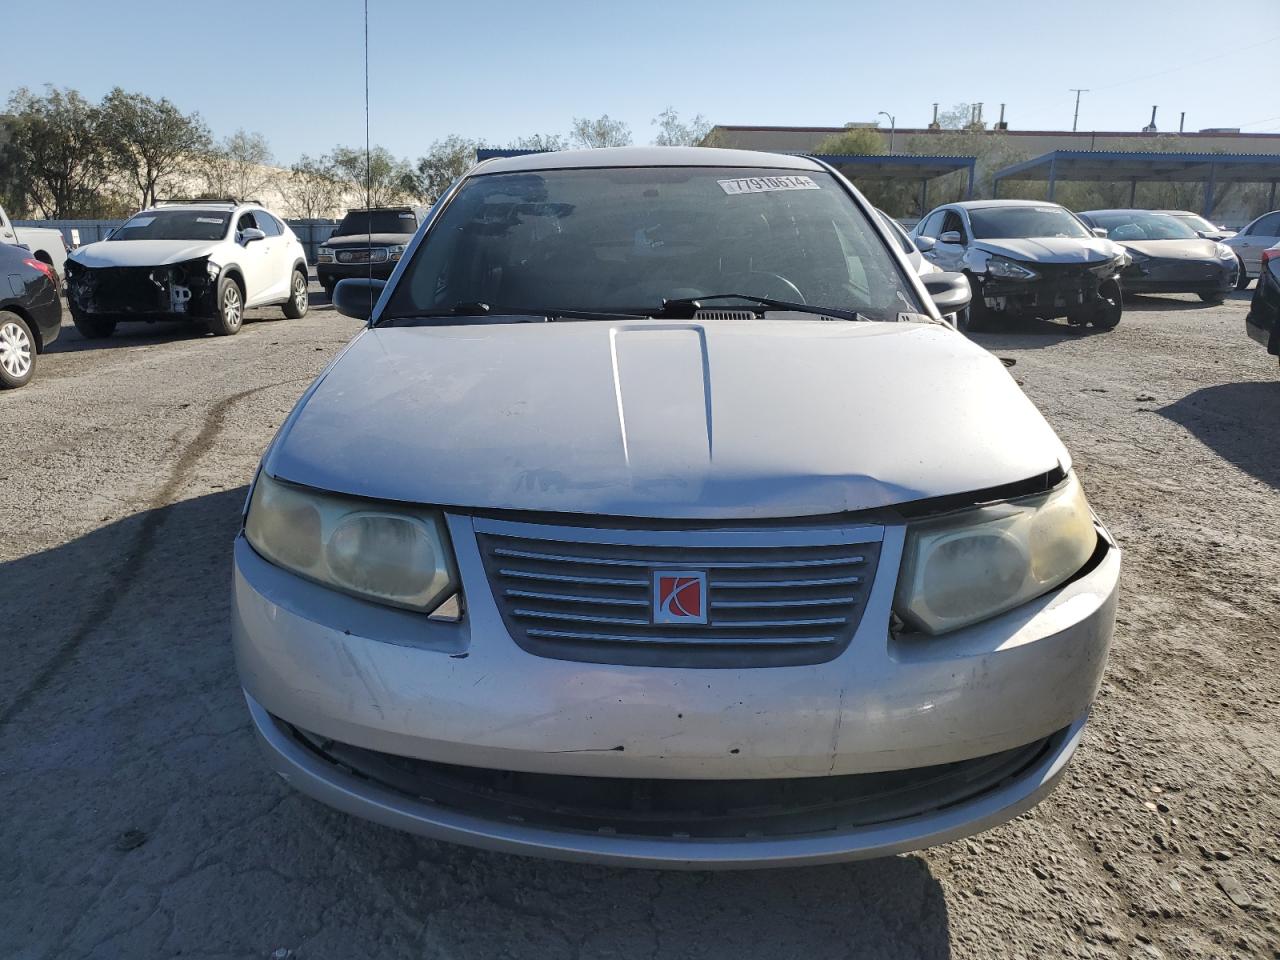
<point>774,596</point>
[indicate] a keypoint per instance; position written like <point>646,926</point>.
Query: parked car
<point>30,313</point>
<point>1249,243</point>
<point>1263,321</point>
<point>366,243</point>
<point>207,261</point>
<point>45,243</point>
<point>1210,231</point>
<point>1026,258</point>
<point>1167,256</point>
<point>656,518</point>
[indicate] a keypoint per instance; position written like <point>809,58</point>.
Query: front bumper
<point>465,693</point>
<point>1059,290</point>
<point>167,291</point>
<point>1180,276</point>
<point>330,273</point>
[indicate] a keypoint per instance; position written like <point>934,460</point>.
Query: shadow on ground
<point>141,821</point>
<point>1225,419</point>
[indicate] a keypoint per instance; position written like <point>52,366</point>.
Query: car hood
<point>365,239</point>
<point>658,419</point>
<point>1052,249</point>
<point>141,253</point>
<point>1197,249</point>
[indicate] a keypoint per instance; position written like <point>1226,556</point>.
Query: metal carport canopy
<point>888,166</point>
<point>1105,166</point>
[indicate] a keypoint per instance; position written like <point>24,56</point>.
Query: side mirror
<point>924,244</point>
<point>1100,232</point>
<point>355,297</point>
<point>250,234</point>
<point>950,292</point>
<point>951,236</point>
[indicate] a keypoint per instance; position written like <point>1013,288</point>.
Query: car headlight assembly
<point>324,254</point>
<point>971,565</point>
<point>1008,270</point>
<point>397,555</point>
<point>396,252</point>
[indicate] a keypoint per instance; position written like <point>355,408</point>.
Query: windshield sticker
<point>140,222</point>
<point>210,220</point>
<point>406,216</point>
<point>766,184</point>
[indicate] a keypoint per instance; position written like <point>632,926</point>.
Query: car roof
<point>985,204</point>
<point>1177,213</point>
<point>644,157</point>
<point>1167,213</point>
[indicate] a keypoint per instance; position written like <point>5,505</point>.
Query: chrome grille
<point>775,596</point>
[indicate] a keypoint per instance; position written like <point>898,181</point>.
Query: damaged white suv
<point>205,260</point>
<point>658,518</point>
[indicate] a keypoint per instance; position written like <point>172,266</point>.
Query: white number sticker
<point>766,184</point>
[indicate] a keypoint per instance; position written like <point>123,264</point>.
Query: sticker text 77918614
<point>766,184</point>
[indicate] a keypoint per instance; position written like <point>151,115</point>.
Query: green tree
<point>601,132</point>
<point>313,189</point>
<point>539,141</point>
<point>674,132</point>
<point>380,178</point>
<point>55,155</point>
<point>853,141</point>
<point>443,163</point>
<point>239,166</point>
<point>153,144</point>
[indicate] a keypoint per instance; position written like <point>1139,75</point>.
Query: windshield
<point>624,239</point>
<point>1143,226</point>
<point>1009,223</point>
<point>1195,222</point>
<point>377,221</point>
<point>174,225</point>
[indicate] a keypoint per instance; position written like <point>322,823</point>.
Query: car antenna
<point>368,170</point>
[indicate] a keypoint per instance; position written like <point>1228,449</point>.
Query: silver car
<point>657,519</point>
<point>1249,243</point>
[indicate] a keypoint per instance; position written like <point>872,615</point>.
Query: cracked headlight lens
<point>1000,267</point>
<point>971,565</point>
<point>398,556</point>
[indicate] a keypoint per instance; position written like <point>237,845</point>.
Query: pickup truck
<point>45,243</point>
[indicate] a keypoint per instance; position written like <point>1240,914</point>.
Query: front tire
<point>230,306</point>
<point>1107,314</point>
<point>17,351</point>
<point>295,307</point>
<point>1242,278</point>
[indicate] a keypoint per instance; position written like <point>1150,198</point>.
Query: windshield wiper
<point>686,307</point>
<point>477,312</point>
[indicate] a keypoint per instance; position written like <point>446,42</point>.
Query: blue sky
<point>501,69</point>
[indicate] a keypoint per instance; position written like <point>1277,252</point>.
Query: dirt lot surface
<point>137,819</point>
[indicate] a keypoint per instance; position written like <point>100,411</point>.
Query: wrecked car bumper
<point>1180,276</point>
<point>455,731</point>
<point>170,291</point>
<point>1059,290</point>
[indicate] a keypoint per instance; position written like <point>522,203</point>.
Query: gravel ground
<point>137,819</point>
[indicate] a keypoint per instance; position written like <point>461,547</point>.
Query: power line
<point>1190,63</point>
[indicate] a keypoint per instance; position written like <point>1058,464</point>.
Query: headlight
<point>1000,267</point>
<point>212,269</point>
<point>324,254</point>
<point>389,554</point>
<point>966,567</point>
<point>396,252</point>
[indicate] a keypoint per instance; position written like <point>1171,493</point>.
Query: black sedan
<point>30,313</point>
<point>1263,322</point>
<point>1167,255</point>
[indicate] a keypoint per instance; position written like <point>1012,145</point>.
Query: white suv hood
<point>141,253</point>
<point>660,419</point>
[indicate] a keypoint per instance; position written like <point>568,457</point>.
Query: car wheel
<point>17,351</point>
<point>1106,315</point>
<point>1242,278</point>
<point>1213,297</point>
<point>975,317</point>
<point>93,328</point>
<point>296,306</point>
<point>230,314</point>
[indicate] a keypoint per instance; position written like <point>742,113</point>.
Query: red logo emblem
<point>680,596</point>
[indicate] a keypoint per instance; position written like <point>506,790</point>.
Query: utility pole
<point>1076,119</point>
<point>893,126</point>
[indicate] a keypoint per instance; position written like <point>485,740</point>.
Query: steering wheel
<point>783,289</point>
